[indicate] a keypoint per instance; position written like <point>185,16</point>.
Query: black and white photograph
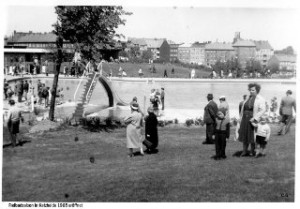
<point>149,102</point>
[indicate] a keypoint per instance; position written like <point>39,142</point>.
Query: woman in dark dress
<point>252,109</point>
<point>151,134</point>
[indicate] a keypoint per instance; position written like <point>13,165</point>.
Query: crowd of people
<point>25,92</point>
<point>252,128</point>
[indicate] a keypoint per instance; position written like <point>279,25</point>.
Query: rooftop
<point>244,43</point>
<point>286,58</point>
<point>219,46</point>
<point>263,45</point>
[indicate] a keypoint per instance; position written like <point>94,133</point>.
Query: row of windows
<point>42,45</point>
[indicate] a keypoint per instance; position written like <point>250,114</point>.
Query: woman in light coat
<point>134,124</point>
<point>252,109</point>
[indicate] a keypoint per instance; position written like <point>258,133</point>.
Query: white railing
<point>92,84</point>
<point>78,88</point>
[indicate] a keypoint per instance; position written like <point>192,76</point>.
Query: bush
<point>95,124</point>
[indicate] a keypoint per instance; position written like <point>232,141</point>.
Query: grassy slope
<point>53,167</point>
<point>132,70</point>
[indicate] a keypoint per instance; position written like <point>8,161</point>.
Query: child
<point>262,134</point>
<point>222,134</point>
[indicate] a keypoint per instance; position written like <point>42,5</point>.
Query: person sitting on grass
<point>13,122</point>
<point>151,135</point>
<point>222,133</point>
<point>262,132</point>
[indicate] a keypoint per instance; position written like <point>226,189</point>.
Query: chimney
<point>237,36</point>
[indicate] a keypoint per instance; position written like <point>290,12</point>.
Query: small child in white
<point>262,134</point>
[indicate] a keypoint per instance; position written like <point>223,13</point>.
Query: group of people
<point>252,128</point>
<point>157,98</point>
<point>134,122</point>
<point>24,91</point>
<point>20,67</point>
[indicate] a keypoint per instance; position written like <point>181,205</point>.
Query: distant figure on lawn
<point>262,133</point>
<point>209,118</point>
<point>13,122</point>
<point>253,108</point>
<point>134,124</point>
<point>287,104</point>
<point>141,73</point>
<point>165,73</point>
<point>193,73</point>
<point>222,133</point>
<point>151,135</point>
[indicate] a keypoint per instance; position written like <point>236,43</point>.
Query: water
<point>183,98</point>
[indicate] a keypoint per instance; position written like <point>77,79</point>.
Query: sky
<point>185,23</point>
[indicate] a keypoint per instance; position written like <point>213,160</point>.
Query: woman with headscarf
<point>134,124</point>
<point>253,108</point>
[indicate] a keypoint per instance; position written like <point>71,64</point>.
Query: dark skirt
<point>246,131</point>
<point>13,127</point>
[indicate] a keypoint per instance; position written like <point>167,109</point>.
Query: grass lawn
<point>132,70</point>
<point>55,167</point>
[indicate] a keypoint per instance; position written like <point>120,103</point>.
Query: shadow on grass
<point>21,143</point>
<point>239,153</point>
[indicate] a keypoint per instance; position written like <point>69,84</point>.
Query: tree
<point>274,67</point>
<point>288,51</point>
<point>146,55</point>
<point>134,52</point>
<point>253,66</point>
<point>89,29</point>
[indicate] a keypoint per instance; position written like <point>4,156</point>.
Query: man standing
<point>13,122</point>
<point>6,86</point>
<point>162,98</point>
<point>286,111</point>
<point>20,90</point>
<point>39,91</point>
<point>25,89</point>
<point>209,118</point>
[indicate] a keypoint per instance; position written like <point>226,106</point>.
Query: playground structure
<point>93,78</point>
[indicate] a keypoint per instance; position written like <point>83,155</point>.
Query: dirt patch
<point>44,125</point>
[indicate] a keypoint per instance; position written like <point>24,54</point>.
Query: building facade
<point>245,50</point>
<point>197,53</point>
<point>218,52</point>
<point>184,53</point>
<point>285,62</point>
<point>264,52</point>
